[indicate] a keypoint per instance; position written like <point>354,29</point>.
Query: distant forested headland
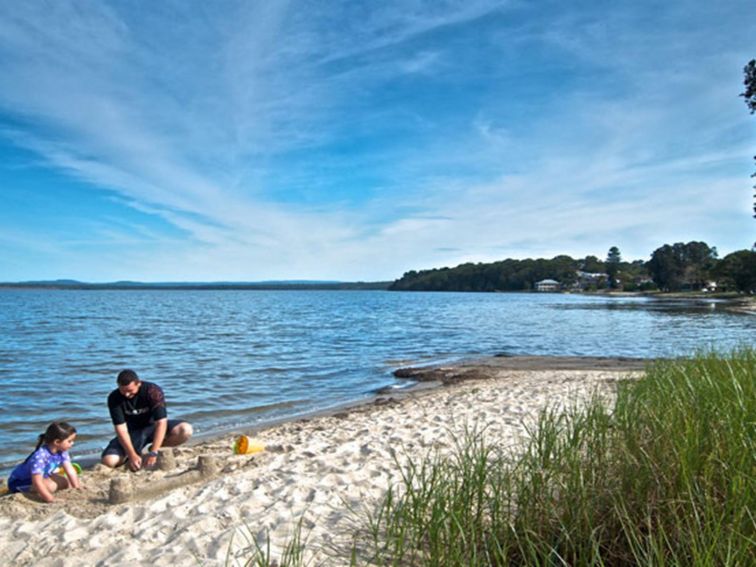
<point>694,266</point>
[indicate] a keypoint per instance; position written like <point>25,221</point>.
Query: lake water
<point>235,358</point>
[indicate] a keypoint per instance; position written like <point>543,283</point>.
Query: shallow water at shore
<point>237,358</point>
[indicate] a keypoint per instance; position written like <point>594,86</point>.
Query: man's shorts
<point>140,438</point>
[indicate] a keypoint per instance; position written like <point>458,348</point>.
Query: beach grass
<point>663,476</point>
<point>261,554</point>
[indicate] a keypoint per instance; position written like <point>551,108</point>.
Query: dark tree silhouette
<point>738,271</point>
<point>750,100</point>
<point>750,85</point>
<point>682,266</point>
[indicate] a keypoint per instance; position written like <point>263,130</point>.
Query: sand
<point>319,471</point>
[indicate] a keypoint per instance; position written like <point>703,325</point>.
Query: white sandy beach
<point>312,471</point>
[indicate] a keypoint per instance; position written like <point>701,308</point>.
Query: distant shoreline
<point>381,285</point>
<point>138,286</point>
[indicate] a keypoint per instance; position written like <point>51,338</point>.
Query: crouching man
<point>140,418</point>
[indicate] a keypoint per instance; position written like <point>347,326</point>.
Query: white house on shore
<point>586,280</point>
<point>547,285</point>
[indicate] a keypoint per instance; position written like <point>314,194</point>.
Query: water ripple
<point>229,358</point>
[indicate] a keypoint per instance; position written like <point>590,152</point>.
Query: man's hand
<point>150,461</point>
<point>135,462</point>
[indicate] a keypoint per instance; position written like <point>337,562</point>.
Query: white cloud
<point>195,123</point>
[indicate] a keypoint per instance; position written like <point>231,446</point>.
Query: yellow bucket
<point>76,467</point>
<point>246,445</point>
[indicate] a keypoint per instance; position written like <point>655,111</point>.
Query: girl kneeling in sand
<point>38,472</point>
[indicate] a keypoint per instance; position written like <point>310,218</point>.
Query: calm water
<point>228,358</point>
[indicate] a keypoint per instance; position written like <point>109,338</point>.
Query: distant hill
<point>263,285</point>
<point>46,283</point>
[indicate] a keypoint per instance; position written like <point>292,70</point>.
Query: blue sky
<point>256,140</point>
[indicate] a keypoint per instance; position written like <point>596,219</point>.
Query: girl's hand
<point>71,476</point>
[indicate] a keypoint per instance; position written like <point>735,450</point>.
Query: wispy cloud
<point>270,140</point>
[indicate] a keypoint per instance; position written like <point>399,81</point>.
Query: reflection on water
<point>228,358</point>
<point>667,306</point>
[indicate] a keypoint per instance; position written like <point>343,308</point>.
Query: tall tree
<point>750,99</point>
<point>738,271</point>
<point>682,266</point>
<point>700,259</point>
<point>664,268</point>
<point>613,260</point>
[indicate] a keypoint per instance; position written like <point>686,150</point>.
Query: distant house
<point>547,285</point>
<point>644,282</point>
<point>590,280</point>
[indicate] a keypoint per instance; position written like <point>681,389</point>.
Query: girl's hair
<point>56,431</point>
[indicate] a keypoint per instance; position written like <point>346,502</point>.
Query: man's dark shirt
<point>146,407</point>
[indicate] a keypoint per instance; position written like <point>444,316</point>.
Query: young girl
<point>37,472</point>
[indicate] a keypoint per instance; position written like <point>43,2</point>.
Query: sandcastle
<point>122,489</point>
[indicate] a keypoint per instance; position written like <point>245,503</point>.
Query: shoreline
<point>427,377</point>
<point>433,375</point>
<point>312,468</point>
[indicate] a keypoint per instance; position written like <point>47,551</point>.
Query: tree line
<point>676,267</point>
